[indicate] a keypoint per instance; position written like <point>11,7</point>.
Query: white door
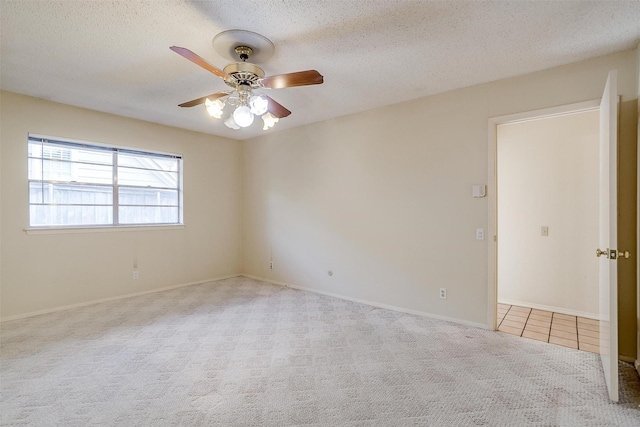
<point>608,250</point>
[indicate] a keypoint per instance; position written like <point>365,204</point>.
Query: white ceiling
<point>114,56</point>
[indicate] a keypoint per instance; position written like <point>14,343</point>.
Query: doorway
<point>607,251</point>
<point>546,180</point>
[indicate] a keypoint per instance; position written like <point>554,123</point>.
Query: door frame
<point>492,187</point>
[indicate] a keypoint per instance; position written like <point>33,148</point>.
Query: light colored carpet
<point>244,353</point>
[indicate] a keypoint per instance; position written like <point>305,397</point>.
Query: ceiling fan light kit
<point>243,116</point>
<point>259,105</point>
<point>269,120</point>
<point>244,77</point>
<point>214,108</point>
<point>230,123</point>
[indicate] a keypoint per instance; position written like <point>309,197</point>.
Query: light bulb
<point>269,120</point>
<point>259,105</point>
<point>230,123</point>
<point>243,116</point>
<point>214,108</point>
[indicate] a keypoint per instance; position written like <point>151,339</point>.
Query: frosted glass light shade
<point>230,123</point>
<point>214,108</point>
<point>243,116</point>
<point>259,105</point>
<point>269,120</point>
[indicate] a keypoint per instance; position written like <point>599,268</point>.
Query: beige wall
<point>547,173</point>
<point>41,272</point>
<point>383,198</point>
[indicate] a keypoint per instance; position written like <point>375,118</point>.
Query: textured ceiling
<point>114,56</point>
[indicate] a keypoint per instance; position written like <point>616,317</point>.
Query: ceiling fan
<point>246,80</point>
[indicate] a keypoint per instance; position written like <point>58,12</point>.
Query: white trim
<point>545,113</point>
<point>366,302</point>
<point>560,310</point>
<point>626,358</point>
<point>492,188</point>
<point>492,227</point>
<point>135,294</point>
<point>101,229</point>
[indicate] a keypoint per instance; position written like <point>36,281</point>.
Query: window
<point>74,184</point>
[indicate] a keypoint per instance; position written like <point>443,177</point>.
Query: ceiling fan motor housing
<point>243,73</point>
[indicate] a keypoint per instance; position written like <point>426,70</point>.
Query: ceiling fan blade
<point>301,78</point>
<point>199,101</point>
<point>199,61</point>
<point>277,109</point>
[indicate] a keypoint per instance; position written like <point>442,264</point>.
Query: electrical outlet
<point>136,275</point>
<point>270,266</point>
<point>443,293</point>
<point>479,233</point>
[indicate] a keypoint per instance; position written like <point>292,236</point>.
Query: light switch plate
<point>479,190</point>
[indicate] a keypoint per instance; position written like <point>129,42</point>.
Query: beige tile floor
<point>555,328</point>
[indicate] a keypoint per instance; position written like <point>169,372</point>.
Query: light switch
<point>544,230</point>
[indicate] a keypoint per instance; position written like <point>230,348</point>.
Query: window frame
<point>115,150</point>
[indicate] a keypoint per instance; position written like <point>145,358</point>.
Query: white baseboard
<point>560,310</point>
<point>135,294</point>
<point>371,303</point>
<point>627,359</point>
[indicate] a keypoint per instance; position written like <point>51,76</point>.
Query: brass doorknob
<point>624,254</point>
<point>602,253</point>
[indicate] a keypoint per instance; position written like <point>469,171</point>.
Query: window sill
<point>99,229</point>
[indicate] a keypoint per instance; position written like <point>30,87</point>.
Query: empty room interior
<point>385,213</point>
